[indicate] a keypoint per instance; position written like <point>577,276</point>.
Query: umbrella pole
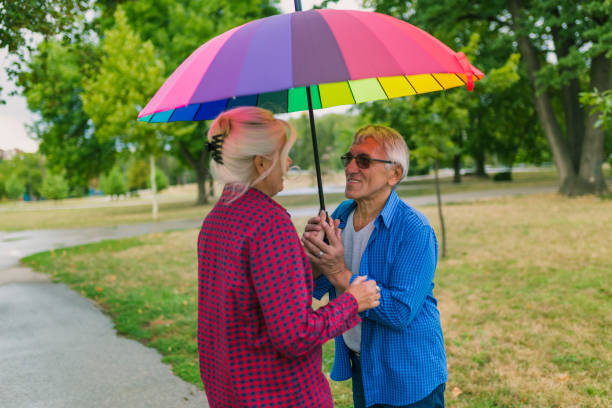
<point>313,133</point>
<point>315,148</point>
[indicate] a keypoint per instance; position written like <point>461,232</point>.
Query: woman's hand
<point>366,293</point>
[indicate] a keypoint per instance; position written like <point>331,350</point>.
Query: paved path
<point>58,350</point>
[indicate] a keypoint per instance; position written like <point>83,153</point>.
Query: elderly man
<point>396,355</point>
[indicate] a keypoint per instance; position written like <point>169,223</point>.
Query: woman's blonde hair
<point>243,133</point>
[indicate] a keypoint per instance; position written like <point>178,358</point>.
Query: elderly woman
<point>259,339</point>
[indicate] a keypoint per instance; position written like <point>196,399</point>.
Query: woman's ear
<point>260,164</point>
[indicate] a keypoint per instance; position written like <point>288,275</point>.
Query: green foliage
<point>38,16</point>
<point>138,175</point>
<point>52,85</point>
<point>15,187</point>
<point>161,180</point>
<point>600,102</point>
<point>28,169</point>
<point>114,183</point>
<point>503,176</point>
<point>334,137</point>
<point>128,75</point>
<point>54,187</point>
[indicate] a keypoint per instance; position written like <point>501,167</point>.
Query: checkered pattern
<point>259,339</point>
<point>402,348</point>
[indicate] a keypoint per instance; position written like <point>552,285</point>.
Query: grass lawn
<point>178,203</point>
<point>524,295</point>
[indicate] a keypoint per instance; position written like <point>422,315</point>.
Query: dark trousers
<point>433,400</point>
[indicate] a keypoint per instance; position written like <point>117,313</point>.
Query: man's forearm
<point>340,280</point>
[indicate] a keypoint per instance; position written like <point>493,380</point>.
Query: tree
<point>176,28</point>
<point>128,73</point>
<point>52,85</point>
<point>48,18</point>
<point>54,187</point>
<point>161,180</point>
<point>114,183</point>
<point>28,169</point>
<point>566,47</point>
<point>138,174</point>
<point>14,187</point>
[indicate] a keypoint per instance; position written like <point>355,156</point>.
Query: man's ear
<point>396,174</point>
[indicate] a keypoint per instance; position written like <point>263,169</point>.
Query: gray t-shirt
<point>355,243</point>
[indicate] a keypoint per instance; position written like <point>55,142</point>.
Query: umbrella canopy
<point>345,56</point>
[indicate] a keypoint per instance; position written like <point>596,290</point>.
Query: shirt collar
<point>386,215</point>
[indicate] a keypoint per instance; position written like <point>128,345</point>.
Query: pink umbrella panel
<point>345,56</point>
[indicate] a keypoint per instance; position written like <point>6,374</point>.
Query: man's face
<point>367,183</point>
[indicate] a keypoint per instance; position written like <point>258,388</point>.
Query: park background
<point>524,287</point>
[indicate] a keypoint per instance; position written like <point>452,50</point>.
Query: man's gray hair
<point>392,142</point>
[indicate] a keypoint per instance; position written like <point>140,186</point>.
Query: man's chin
<point>350,193</point>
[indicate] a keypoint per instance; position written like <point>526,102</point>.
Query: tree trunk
<point>593,148</point>
<point>570,96</point>
<point>457,158</point>
<point>481,171</point>
<point>153,186</point>
<point>457,168</point>
<point>543,106</point>
<point>202,176</point>
<point>439,200</point>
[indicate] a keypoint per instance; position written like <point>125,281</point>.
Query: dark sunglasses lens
<point>346,159</point>
<point>363,161</point>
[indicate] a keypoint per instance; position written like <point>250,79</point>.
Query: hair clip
<point>214,147</point>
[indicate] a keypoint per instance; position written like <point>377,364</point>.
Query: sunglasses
<point>363,160</point>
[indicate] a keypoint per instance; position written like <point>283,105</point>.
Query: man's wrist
<point>341,280</point>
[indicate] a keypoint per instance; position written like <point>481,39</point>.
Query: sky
<point>15,116</point>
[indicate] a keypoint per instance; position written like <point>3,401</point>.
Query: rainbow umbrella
<point>308,60</point>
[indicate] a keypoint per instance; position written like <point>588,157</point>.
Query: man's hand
<point>326,258</point>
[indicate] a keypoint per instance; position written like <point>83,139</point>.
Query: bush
<point>54,187</point>
<point>503,176</point>
<point>14,187</point>
<point>161,181</point>
<point>138,175</point>
<point>114,183</point>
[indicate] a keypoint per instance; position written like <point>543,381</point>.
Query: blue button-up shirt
<point>402,348</point>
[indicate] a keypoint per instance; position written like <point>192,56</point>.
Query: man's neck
<point>369,208</point>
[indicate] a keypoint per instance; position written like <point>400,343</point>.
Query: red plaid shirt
<point>259,339</point>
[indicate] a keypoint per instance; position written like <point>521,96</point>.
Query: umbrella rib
<point>461,79</point>
<point>412,86</point>
<point>382,87</point>
<point>436,79</point>
<point>351,90</point>
<point>195,115</point>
